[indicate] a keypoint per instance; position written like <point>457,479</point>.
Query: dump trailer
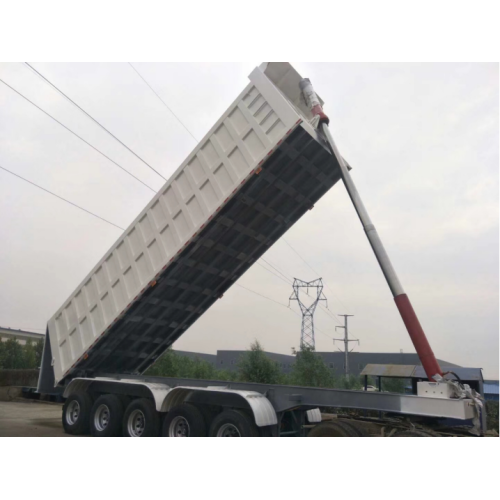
<point>263,165</point>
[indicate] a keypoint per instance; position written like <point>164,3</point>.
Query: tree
<point>310,370</point>
<point>39,345</point>
<point>226,376</point>
<point>171,364</point>
<point>2,354</point>
<point>15,356</point>
<point>12,355</point>
<point>350,382</point>
<point>29,355</point>
<point>168,365</point>
<point>256,366</point>
<point>202,369</point>
<point>395,384</point>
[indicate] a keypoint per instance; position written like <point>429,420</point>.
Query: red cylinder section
<point>318,111</point>
<point>417,335</point>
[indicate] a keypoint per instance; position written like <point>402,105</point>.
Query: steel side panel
<point>284,398</point>
<point>461,409</point>
<point>261,407</point>
<point>158,391</point>
<point>252,126</point>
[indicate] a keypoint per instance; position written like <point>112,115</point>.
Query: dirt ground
<point>30,419</point>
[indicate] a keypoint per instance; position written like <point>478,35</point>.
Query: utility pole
<point>307,331</point>
<point>346,342</point>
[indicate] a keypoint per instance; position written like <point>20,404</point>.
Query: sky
<point>422,140</point>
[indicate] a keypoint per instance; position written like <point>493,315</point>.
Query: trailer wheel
<point>106,416</point>
<point>185,420</point>
<point>365,429</point>
<point>141,419</point>
<point>76,414</point>
<point>332,429</point>
<point>412,434</point>
<point>357,428</point>
<point>125,400</point>
<point>233,423</point>
<point>269,431</point>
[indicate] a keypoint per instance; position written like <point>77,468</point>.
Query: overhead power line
<point>261,295</point>
<point>274,274</point>
<point>283,276</point>
<point>76,135</point>
<point>115,225</point>
<point>164,103</point>
<point>61,198</point>
<point>287,278</point>
<point>279,303</point>
<point>95,121</point>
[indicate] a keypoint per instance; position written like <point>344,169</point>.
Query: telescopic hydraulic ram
<point>403,304</point>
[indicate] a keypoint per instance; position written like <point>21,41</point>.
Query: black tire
<point>412,434</point>
<point>106,416</point>
<point>332,429</point>
<point>141,419</point>
<point>76,414</point>
<point>268,431</point>
<point>126,400</point>
<point>357,429</point>
<point>208,414</point>
<point>233,423</point>
<point>185,420</point>
<point>365,429</point>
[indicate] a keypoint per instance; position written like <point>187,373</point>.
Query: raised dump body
<point>255,173</point>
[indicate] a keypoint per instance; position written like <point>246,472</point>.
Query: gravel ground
<point>31,419</point>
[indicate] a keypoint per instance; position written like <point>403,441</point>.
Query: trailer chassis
<point>275,410</point>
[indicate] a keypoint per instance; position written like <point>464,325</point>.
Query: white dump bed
<point>246,136</point>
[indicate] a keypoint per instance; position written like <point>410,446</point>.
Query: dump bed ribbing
<point>259,169</point>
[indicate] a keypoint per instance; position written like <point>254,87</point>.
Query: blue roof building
<point>490,388</point>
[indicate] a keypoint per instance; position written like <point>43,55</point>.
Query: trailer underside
<point>291,181</point>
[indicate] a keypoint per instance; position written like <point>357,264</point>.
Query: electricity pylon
<point>307,331</point>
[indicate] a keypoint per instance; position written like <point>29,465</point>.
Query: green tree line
<point>15,356</point>
<point>309,370</point>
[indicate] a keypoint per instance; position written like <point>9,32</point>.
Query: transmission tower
<point>307,331</point>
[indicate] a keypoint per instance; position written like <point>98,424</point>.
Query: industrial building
<point>228,360</point>
<point>491,390</point>
<point>358,360</point>
<point>20,335</point>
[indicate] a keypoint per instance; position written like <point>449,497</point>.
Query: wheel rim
<point>73,412</point>
<point>136,423</point>
<point>228,430</point>
<point>179,427</point>
<point>101,417</point>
